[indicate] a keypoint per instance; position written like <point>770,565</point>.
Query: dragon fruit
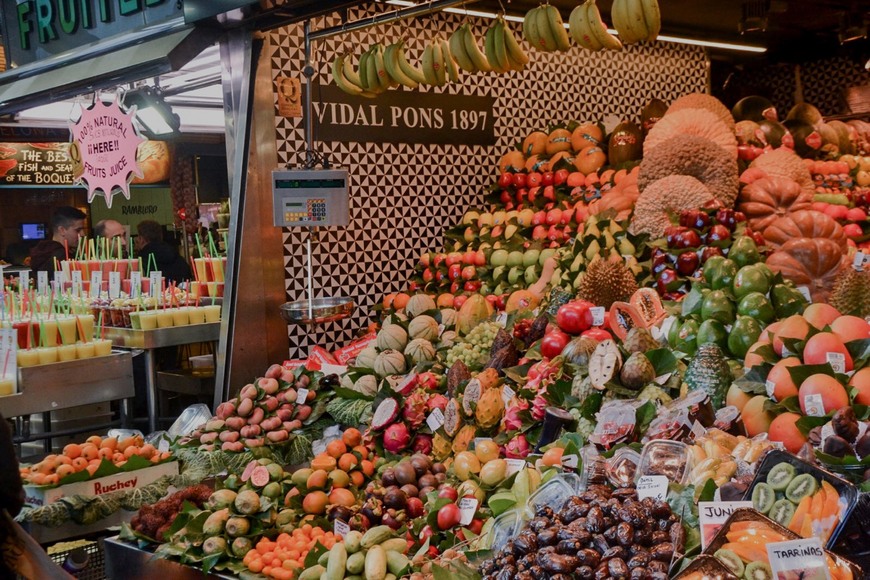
<point>512,420</point>
<point>414,409</point>
<point>422,444</point>
<point>386,413</point>
<point>396,437</point>
<point>428,381</point>
<point>539,408</point>
<point>437,402</point>
<point>490,408</point>
<point>516,448</point>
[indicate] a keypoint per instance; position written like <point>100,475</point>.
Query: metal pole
<point>312,234</point>
<point>419,10</point>
<point>308,71</point>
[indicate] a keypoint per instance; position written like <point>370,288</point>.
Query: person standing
<point>112,230</point>
<point>67,226</point>
<point>149,242</point>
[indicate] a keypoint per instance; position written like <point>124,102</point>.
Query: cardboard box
<point>37,495</point>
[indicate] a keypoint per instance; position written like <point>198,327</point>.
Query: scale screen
<point>310,197</point>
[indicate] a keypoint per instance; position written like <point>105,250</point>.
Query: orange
<point>348,462</point>
<point>400,301</point>
<point>445,301</point>
<point>755,419</point>
<point>336,448</point>
<point>351,437</point>
<point>368,468</point>
<point>794,327</point>
<point>315,502</point>
<point>820,314</point>
<point>324,462</point>
<point>388,301</point>
<point>72,450</point>
<point>751,358</point>
<point>535,143</point>
<point>783,429</point>
<point>357,478</point>
<point>341,496</point>
<point>780,381</point>
<point>362,450</point>
<point>553,456</point>
<point>850,328</point>
<point>861,382</point>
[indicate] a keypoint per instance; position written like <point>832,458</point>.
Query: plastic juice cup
<point>102,347</point>
<point>65,267</point>
<point>21,327</point>
<point>93,266</point>
<point>180,316</point>
<point>7,387</point>
<point>197,290</point>
<point>196,314</point>
<point>87,322</point>
<point>66,352</point>
<point>68,329</point>
<point>47,354</point>
<point>216,289</point>
<point>217,267</point>
<point>148,320</point>
<point>84,350</point>
<point>164,319</point>
<point>27,357</point>
<point>50,328</point>
<point>134,320</point>
<point>106,266</point>
<point>201,269</point>
<point>212,313</point>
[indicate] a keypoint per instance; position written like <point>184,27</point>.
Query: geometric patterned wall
<point>403,196</point>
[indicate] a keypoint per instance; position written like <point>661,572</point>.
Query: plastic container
<point>202,365</point>
<point>190,419</point>
<point>848,492</point>
<point>621,469</point>
<point>505,527</point>
<point>554,494</point>
<point>593,468</point>
<point>706,567</point>
<point>672,459</point>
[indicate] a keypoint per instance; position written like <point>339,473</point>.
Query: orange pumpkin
<point>814,263</point>
<point>766,199</point>
<point>804,224</point>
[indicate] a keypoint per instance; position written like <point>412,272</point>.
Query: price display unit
<point>310,197</point>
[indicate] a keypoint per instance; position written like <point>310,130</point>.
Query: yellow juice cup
<point>212,313</point>
<point>148,320</point>
<point>47,355</point>
<point>67,329</point>
<point>84,350</point>
<point>196,314</point>
<point>28,357</point>
<point>217,266</point>
<point>134,320</point>
<point>7,387</point>
<point>180,316</point>
<point>48,332</point>
<point>87,322</point>
<point>102,347</point>
<point>201,269</point>
<point>66,352</point>
<point>164,318</point>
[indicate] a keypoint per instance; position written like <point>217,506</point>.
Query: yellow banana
<point>351,75</point>
<point>619,16</point>
<point>598,29</point>
<point>338,76</point>
<point>438,64</point>
<point>516,55</point>
<point>458,52</point>
<point>429,65</point>
<point>383,77</point>
<point>653,17</point>
<point>449,63</point>
<point>391,63</point>
<point>410,71</point>
<point>473,51</point>
<point>548,39</point>
<point>557,27</point>
<point>579,28</point>
<point>499,47</point>
<point>363,70</point>
<point>634,20</point>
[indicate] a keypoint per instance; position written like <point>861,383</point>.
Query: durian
<point>851,294</point>
<point>606,282</point>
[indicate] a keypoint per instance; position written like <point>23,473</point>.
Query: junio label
<point>340,528</point>
<point>597,315</point>
<point>712,514</point>
<point>435,419</point>
<point>814,405</point>
<point>507,394</point>
<point>652,486</point>
<point>837,360</point>
<point>467,509</point>
<point>301,396</point>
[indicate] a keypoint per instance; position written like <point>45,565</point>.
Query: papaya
<point>800,513</point>
<point>815,508</point>
<point>830,514</point>
<point>748,552</point>
<point>475,310</point>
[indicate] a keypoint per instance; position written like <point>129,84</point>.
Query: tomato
<point>560,177</point>
<point>547,178</point>
<point>449,492</point>
<point>448,516</point>
<point>519,180</point>
<point>553,343</point>
<point>574,317</point>
<point>476,524</point>
<point>426,532</point>
<point>505,179</point>
<point>469,272</point>
<point>415,507</point>
<point>597,333</point>
<point>534,179</point>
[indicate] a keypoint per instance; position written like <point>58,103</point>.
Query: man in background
<point>149,242</point>
<point>67,226</point>
<point>113,231</point>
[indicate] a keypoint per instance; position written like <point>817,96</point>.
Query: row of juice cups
<point>53,331</point>
<point>31,357</point>
<point>207,269</point>
<point>168,317</point>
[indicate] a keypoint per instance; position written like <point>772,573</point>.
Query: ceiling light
<point>661,37</point>
<point>154,115</point>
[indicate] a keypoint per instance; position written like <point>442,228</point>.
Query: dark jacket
<point>11,490</point>
<point>172,266</point>
<point>42,255</point>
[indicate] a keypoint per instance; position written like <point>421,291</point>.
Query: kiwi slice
<point>780,476</point>
<point>782,512</point>
<point>731,560</point>
<point>757,571</point>
<point>763,497</point>
<point>802,486</point>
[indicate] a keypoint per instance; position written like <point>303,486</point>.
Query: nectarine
<point>823,348</point>
<point>755,419</point>
<point>850,328</point>
<point>779,383</point>
<point>821,390</point>
<point>820,314</point>
<point>784,430</point>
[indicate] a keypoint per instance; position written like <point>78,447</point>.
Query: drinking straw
<point>29,335</point>
<point>60,332</point>
<point>211,245</point>
<point>41,333</point>
<point>120,249</point>
<point>151,260</point>
<point>6,362</point>
<point>81,329</point>
<point>198,244</point>
<point>65,249</point>
<point>193,269</point>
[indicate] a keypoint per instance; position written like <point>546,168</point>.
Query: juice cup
<point>7,387</point>
<point>212,313</point>
<point>164,318</point>
<point>217,267</point>
<point>22,327</point>
<point>216,289</point>
<point>106,266</point>
<point>201,269</point>
<point>67,328</point>
<point>50,329</point>
<point>180,316</point>
<point>102,347</point>
<point>66,352</point>
<point>27,357</point>
<point>122,267</point>
<point>84,350</point>
<point>87,326</point>
<point>197,289</point>
<point>47,355</point>
<point>134,320</point>
<point>148,320</point>
<point>196,314</point>
<point>93,266</point>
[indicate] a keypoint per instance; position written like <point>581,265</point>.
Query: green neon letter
<point>87,14</point>
<point>67,14</point>
<point>128,7</point>
<point>105,11</point>
<point>24,26</point>
<point>44,21</point>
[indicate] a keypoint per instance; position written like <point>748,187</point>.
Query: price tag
<point>507,394</point>
<point>514,466</point>
<point>805,290</point>
<point>42,282</point>
<point>698,430</point>
<point>814,405</point>
<point>114,285</point>
<point>467,509</point>
<point>597,315</point>
<point>23,280</point>
<point>301,396</point>
<point>60,279</point>
<point>712,514</point>
<point>804,558</point>
<point>570,461</point>
<point>769,386</point>
<point>77,282</point>
<point>653,486</point>
<point>340,528</point>
<point>858,261</point>
<point>662,379</point>
<point>435,419</point>
<point>135,284</point>
<point>502,319</point>
<point>96,284</point>
<point>837,360</point>
<point>156,278</point>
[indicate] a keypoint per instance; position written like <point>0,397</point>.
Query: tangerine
<point>336,448</point>
<point>362,450</point>
<point>357,478</point>
<point>351,437</point>
<point>348,462</point>
<point>400,301</point>
<point>368,468</point>
<point>315,502</point>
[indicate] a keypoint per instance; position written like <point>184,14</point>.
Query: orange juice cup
<point>196,314</point>
<point>27,357</point>
<point>147,320</point>
<point>212,313</point>
<point>84,350</point>
<point>7,387</point>
<point>87,326</point>
<point>66,352</point>
<point>180,316</point>
<point>164,318</point>
<point>47,355</point>
<point>102,347</point>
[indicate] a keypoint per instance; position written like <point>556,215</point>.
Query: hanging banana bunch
<point>544,29</point>
<point>589,31</point>
<point>503,52</point>
<point>348,79</point>
<point>636,20</point>
<point>463,47</point>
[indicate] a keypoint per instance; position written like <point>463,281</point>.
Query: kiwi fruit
<point>802,486</point>
<point>782,512</point>
<point>780,476</point>
<point>763,497</point>
<point>731,560</point>
<point>757,571</point>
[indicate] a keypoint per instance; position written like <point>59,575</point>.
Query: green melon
<point>423,327</point>
<point>389,362</point>
<point>420,350</point>
<point>366,358</point>
<point>367,385</point>
<point>418,304</point>
<point>392,337</point>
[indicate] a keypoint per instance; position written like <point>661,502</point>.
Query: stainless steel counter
<point>160,337</point>
<point>127,562</point>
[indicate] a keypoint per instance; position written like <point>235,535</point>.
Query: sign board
<point>35,164</point>
<point>152,203</point>
<point>399,116</point>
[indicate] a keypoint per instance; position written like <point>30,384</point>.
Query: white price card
<point>570,461</point>
<point>597,315</point>
<point>42,282</point>
<point>301,396</point>
<point>114,285</point>
<point>156,279</point>
<point>24,281</point>
<point>662,379</point>
<point>435,419</point>
<point>76,282</point>
<point>804,558</point>
<point>507,394</point>
<point>135,284</point>
<point>653,486</point>
<point>805,290</point>
<point>514,466</point>
<point>467,509</point>
<point>712,514</point>
<point>858,261</point>
<point>502,319</point>
<point>96,284</point>
<point>340,528</point>
<point>769,388</point>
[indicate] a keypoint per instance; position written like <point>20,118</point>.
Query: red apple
<point>560,176</point>
<point>459,300</point>
<point>539,218</point>
<point>519,180</point>
<point>852,231</point>
<point>469,272</point>
<point>479,258</point>
<point>549,193</point>
<point>554,216</point>
<point>505,179</point>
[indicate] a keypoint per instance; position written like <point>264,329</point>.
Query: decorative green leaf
<point>807,424</point>
<point>799,373</point>
<point>644,415</point>
<point>343,393</point>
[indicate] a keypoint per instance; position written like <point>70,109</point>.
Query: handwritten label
<point>712,514</point>
<point>301,396</point>
<point>435,419</point>
<point>597,315</point>
<point>114,285</point>
<point>805,290</point>
<point>804,558</point>
<point>76,282</point>
<point>96,284</point>
<point>514,466</point>
<point>570,461</point>
<point>467,509</point>
<point>502,319</point>
<point>42,282</point>
<point>837,360</point>
<point>156,279</point>
<point>340,528</point>
<point>814,405</point>
<point>652,486</point>
<point>507,394</point>
<point>135,283</point>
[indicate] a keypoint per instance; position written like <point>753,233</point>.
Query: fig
<point>837,446</point>
<point>845,424</point>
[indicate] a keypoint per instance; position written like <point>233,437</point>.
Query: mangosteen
<point>359,522</point>
<point>329,381</point>
<point>395,499</point>
<point>424,492</point>
<point>373,510</point>
<point>411,490</point>
<point>862,447</point>
<point>388,477</point>
<point>845,424</point>
<point>438,468</point>
<point>339,512</point>
<point>837,446</point>
<point>393,520</point>
<point>427,480</point>
<point>405,473</point>
<point>421,463</point>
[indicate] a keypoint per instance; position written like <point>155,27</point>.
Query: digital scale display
<point>310,197</point>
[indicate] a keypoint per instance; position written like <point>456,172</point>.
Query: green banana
<point>391,62</point>
<point>384,79</point>
<point>428,65</point>
<point>653,17</point>
<point>473,51</point>
<point>578,26</point>
<point>339,78</point>
<point>598,29</point>
<point>438,64</point>
<point>515,53</point>
<point>498,45</point>
<point>350,74</point>
<point>489,46</point>
<point>547,35</point>
<point>458,52</point>
<point>557,27</point>
<point>449,63</point>
<point>530,28</point>
<point>411,71</point>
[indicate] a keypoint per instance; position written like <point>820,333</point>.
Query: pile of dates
<point>596,535</point>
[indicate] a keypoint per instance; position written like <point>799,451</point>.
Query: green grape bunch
<point>473,348</point>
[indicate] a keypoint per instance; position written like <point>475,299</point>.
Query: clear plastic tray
<point>622,468</point>
<point>189,420</point>
<point>554,493</point>
<point>672,459</point>
<point>505,527</point>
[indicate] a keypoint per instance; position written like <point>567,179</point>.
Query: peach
<point>784,430</point>
<point>850,328</point>
<point>737,397</point>
<point>860,381</point>
<point>782,384</point>
<point>833,394</point>
<point>755,419</point>
<point>820,314</point>
<point>824,344</point>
